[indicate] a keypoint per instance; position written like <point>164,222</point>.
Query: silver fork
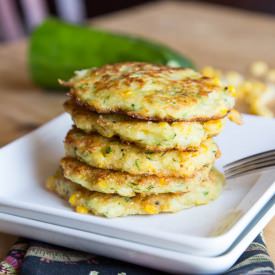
<point>250,164</point>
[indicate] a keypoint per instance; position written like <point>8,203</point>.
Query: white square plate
<point>206,230</point>
<point>162,259</point>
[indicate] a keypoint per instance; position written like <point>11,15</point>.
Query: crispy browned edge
<point>68,140</point>
<point>146,118</point>
<point>134,114</point>
<point>104,173</point>
<point>115,138</point>
<point>147,148</point>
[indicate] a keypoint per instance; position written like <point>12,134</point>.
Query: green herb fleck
<point>82,86</point>
<point>184,115</point>
<point>133,183</point>
<point>106,99</point>
<point>205,193</point>
<point>107,150</point>
<point>137,164</point>
<point>150,187</point>
<point>148,154</point>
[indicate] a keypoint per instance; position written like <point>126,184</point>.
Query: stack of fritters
<point>142,140</point>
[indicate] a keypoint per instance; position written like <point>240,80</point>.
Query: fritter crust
<point>104,153</point>
<point>151,92</point>
<point>153,136</point>
<point>111,206</point>
<point>124,184</point>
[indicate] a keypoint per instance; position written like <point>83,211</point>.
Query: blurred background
<point>19,17</point>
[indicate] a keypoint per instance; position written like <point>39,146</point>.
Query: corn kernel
<point>81,209</point>
<point>216,81</point>
<point>127,93</point>
<point>234,78</point>
<point>271,76</point>
<point>235,116</point>
<point>73,199</point>
<point>259,68</point>
<point>162,181</point>
<point>204,148</point>
<point>217,124</point>
<point>224,111</point>
<point>150,209</point>
<point>162,124</point>
<point>232,90</point>
<point>102,184</point>
<point>210,72</point>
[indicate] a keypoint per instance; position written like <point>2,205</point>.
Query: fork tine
<point>255,157</point>
<point>249,169</point>
<point>252,171</point>
<point>252,163</point>
<point>251,166</point>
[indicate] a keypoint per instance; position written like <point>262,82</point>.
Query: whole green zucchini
<point>57,49</point>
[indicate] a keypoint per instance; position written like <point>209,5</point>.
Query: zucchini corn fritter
<point>150,135</point>
<point>85,201</point>
<point>151,92</point>
<point>125,184</point>
<point>104,153</point>
<point>142,140</point>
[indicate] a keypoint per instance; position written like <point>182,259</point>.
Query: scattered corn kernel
<point>271,76</point>
<point>233,78</point>
<point>216,81</point>
<point>232,90</point>
<point>210,72</point>
<point>253,95</point>
<point>235,116</point>
<point>259,68</point>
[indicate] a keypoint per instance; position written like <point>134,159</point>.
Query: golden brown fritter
<point>154,136</point>
<point>151,92</point>
<point>104,153</point>
<point>111,206</point>
<point>124,184</point>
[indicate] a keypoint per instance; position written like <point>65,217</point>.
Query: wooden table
<point>210,35</point>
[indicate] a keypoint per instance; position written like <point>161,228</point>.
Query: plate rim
<point>206,241</point>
